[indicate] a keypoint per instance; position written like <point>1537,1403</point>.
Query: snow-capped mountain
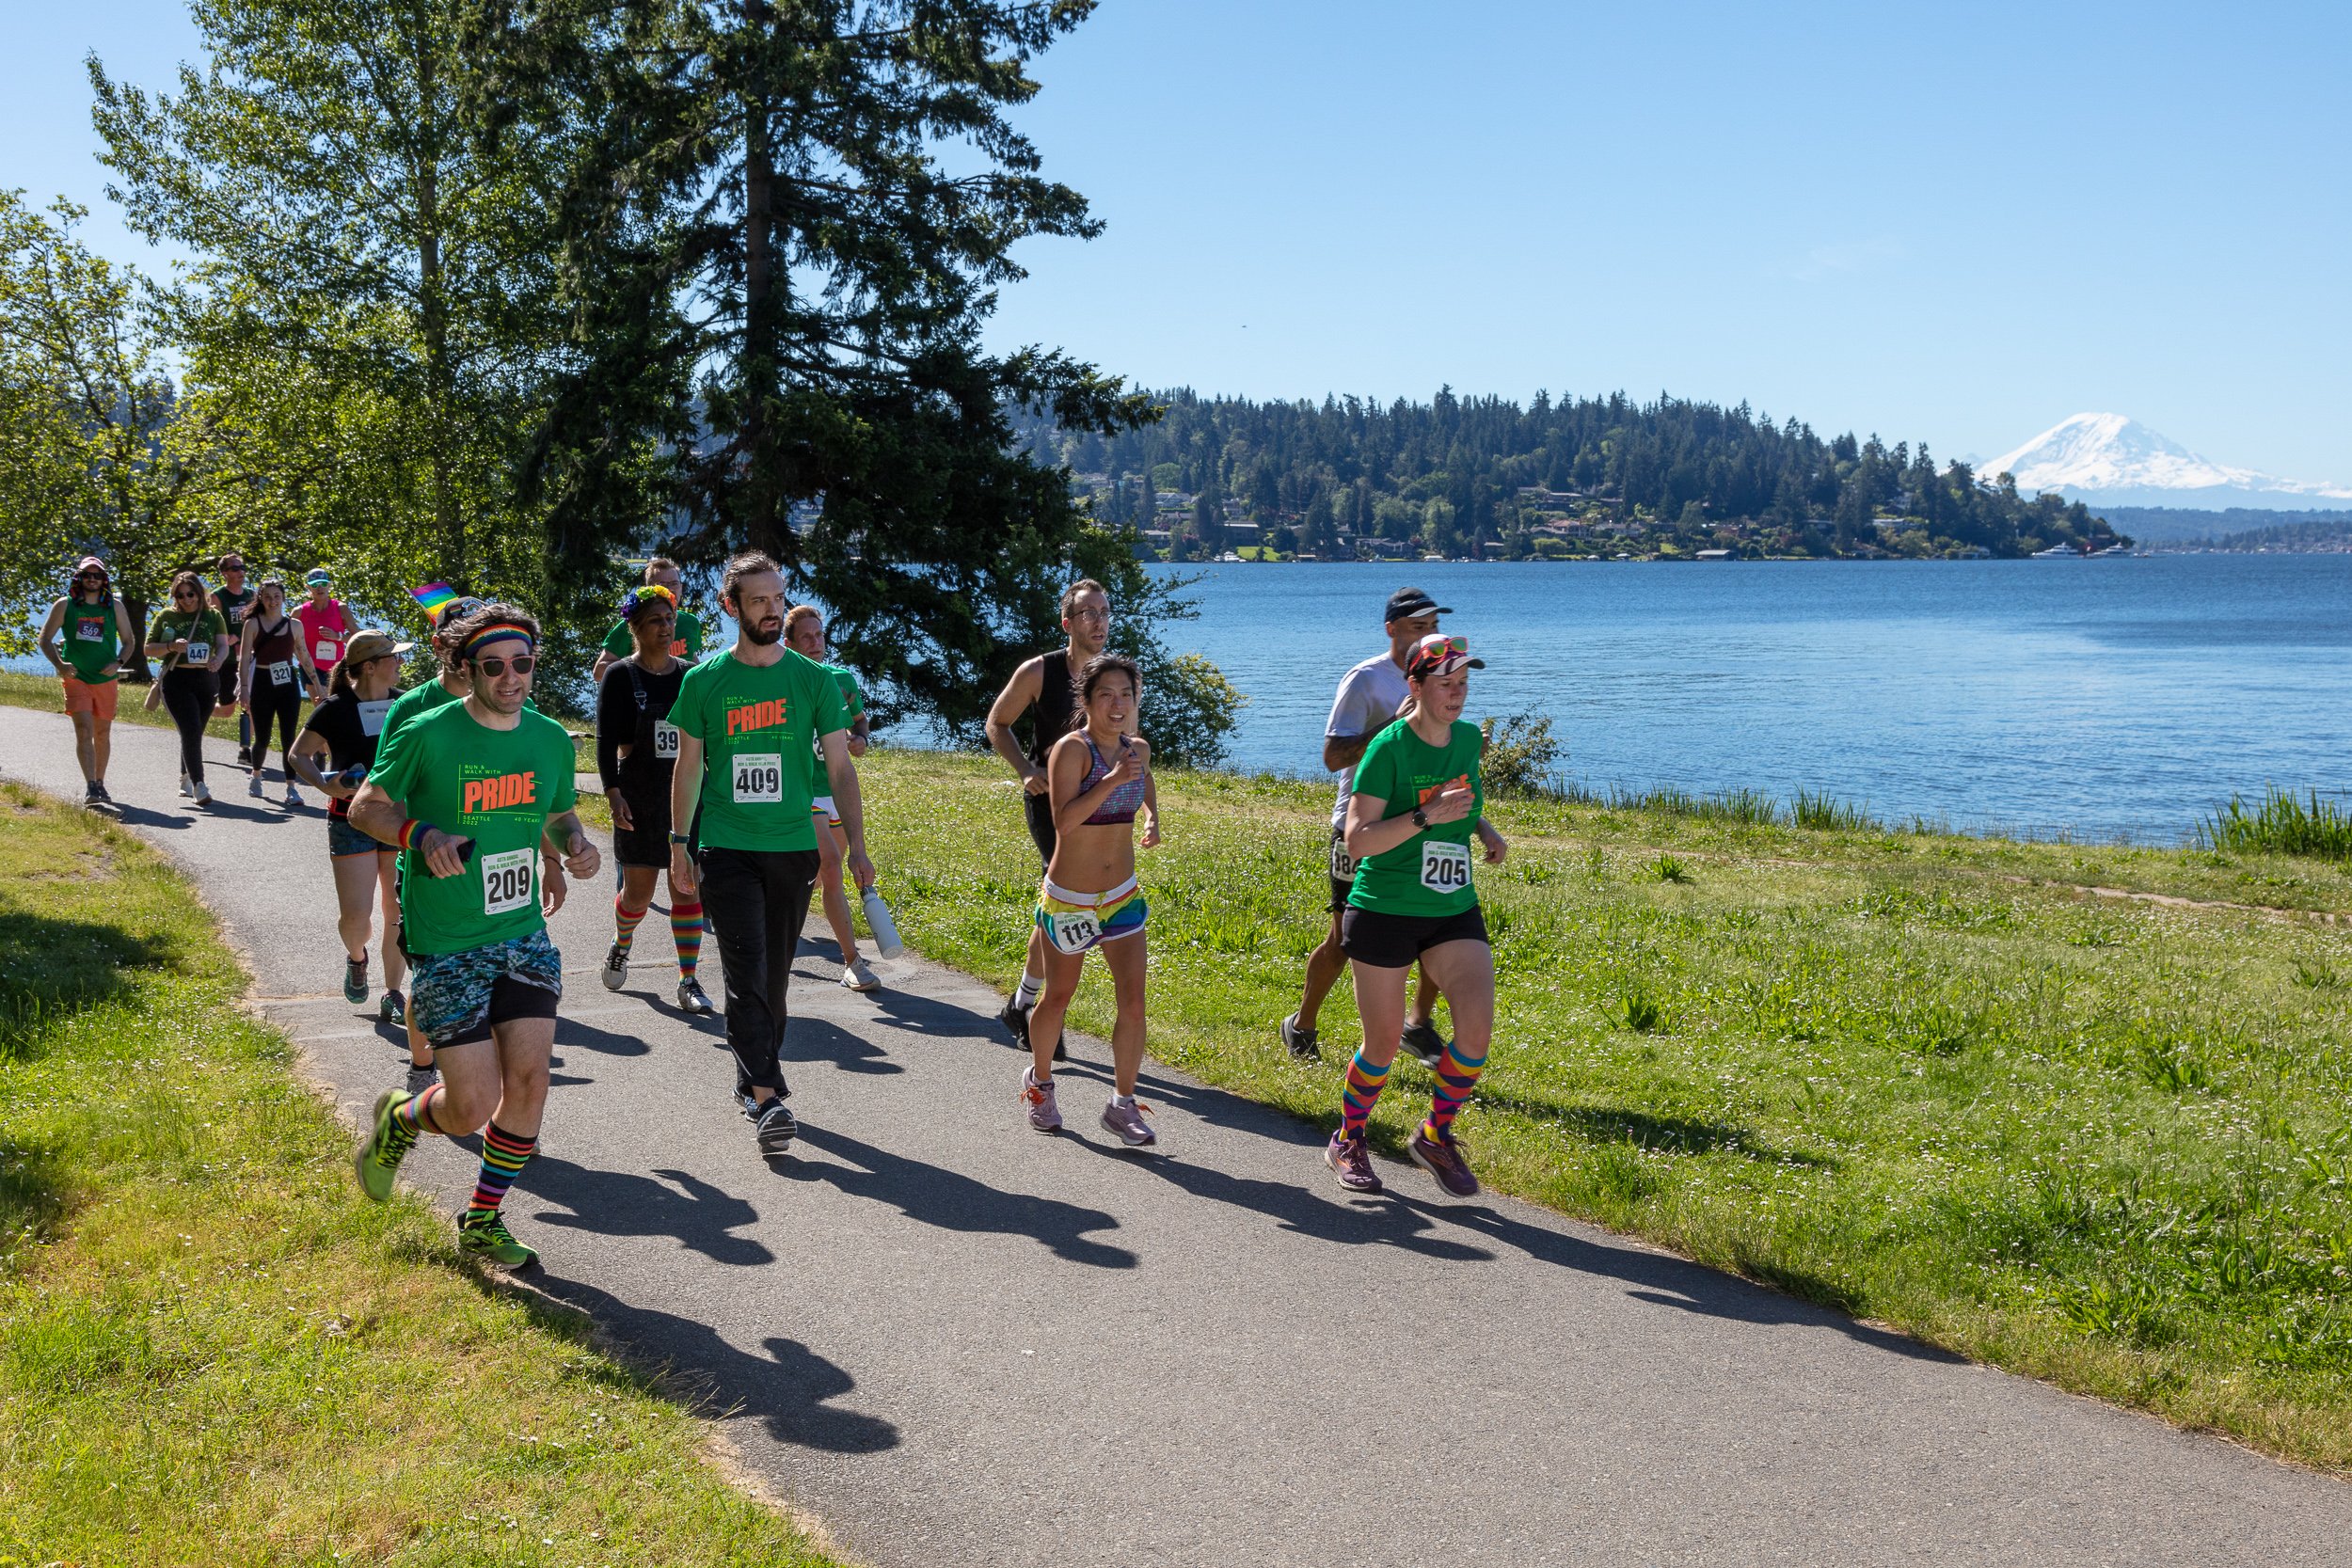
<point>2108,460</point>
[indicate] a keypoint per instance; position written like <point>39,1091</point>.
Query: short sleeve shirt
<point>496,787</point>
<point>1368,699</point>
<point>203,628</point>
<point>353,730</point>
<point>759,726</point>
<point>686,643</point>
<point>1429,874</point>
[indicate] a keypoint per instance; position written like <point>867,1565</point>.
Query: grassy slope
<point>215,1350</point>
<point>1925,1078</point>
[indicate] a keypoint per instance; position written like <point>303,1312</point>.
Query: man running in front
<point>1046,685</point>
<point>752,725</point>
<point>1367,702</point>
<point>490,783</point>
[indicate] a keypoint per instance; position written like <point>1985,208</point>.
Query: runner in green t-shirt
<point>686,640</point>
<point>191,640</point>
<point>96,629</point>
<point>804,634</point>
<point>472,792</point>
<point>1415,806</point>
<point>751,723</point>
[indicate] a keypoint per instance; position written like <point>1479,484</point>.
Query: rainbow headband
<point>497,631</point>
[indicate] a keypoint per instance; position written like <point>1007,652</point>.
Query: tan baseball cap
<point>365,645</point>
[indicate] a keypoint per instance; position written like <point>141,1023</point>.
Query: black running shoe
<point>1426,1043</point>
<point>393,1009</point>
<point>773,1129</point>
<point>1300,1041</point>
<point>1016,1018</point>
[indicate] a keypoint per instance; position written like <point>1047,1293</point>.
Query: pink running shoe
<point>1352,1160</point>
<point>1127,1121</point>
<point>1045,1116</point>
<point>1441,1157</point>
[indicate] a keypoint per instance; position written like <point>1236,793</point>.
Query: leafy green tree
<point>1208,521</point>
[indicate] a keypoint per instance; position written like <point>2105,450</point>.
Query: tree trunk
<point>762,512</point>
<point>440,380</point>
<point>135,668</point>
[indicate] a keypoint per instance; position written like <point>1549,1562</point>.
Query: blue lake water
<point>2122,697</point>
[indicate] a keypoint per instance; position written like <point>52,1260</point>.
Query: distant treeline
<point>2330,537</point>
<point>2234,528</point>
<point>1455,473</point>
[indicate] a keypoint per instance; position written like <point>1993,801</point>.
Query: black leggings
<point>283,704</point>
<point>189,696</point>
<point>757,901</point>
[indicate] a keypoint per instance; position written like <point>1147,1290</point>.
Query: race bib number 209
<point>507,882</point>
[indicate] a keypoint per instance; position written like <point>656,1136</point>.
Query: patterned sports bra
<point>1121,806</point>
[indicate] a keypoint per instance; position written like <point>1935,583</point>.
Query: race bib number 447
<point>758,778</point>
<point>1445,868</point>
<point>507,882</point>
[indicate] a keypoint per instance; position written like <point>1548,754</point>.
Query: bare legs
<point>1125,957</point>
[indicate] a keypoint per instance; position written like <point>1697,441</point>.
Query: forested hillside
<point>1460,475</point>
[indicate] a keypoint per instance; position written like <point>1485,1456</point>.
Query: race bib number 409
<point>507,882</point>
<point>1445,868</point>
<point>758,778</point>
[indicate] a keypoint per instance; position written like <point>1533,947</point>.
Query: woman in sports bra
<point>1099,779</point>
<point>275,671</point>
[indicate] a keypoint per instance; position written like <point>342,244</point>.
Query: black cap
<point>1405,603</point>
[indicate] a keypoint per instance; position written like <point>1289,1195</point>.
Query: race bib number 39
<point>1445,868</point>
<point>665,739</point>
<point>758,778</point>
<point>1075,933</point>
<point>507,882</point>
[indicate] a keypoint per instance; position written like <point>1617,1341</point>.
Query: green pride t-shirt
<point>686,639</point>
<point>1429,874</point>
<point>759,726</point>
<point>496,787</point>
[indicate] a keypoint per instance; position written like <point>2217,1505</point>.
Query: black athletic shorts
<point>1040,811</point>
<point>1394,940</point>
<point>1343,872</point>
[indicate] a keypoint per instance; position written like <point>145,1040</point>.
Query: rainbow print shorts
<point>1075,922</point>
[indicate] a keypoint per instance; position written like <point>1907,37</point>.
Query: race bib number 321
<point>758,778</point>
<point>1445,868</point>
<point>507,882</point>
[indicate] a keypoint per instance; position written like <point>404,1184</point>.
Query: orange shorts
<point>98,700</point>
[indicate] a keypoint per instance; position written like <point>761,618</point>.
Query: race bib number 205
<point>1445,867</point>
<point>758,778</point>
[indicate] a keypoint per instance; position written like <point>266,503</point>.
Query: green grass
<point>1934,1081</point>
<point>215,1351</point>
<point>2282,824</point>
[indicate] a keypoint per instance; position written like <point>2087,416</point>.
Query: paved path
<point>958,1343</point>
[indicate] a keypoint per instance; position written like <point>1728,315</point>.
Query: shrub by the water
<point>2283,824</point>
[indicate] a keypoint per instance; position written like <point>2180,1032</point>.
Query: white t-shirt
<point>1369,696</point>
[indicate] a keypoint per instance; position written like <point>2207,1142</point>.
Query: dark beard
<point>758,637</point>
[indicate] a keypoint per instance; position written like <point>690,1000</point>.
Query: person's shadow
<point>790,1390</point>
<point>818,1040</point>
<point>571,1031</point>
<point>702,1217</point>
<point>933,1195</point>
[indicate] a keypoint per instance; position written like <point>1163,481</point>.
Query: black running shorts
<point>1394,940</point>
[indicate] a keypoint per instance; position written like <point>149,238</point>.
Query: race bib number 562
<point>758,778</point>
<point>1445,868</point>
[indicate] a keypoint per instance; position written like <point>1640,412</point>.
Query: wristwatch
<point>681,838</point>
<point>1421,818</point>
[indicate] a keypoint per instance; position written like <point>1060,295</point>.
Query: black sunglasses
<point>523,664</point>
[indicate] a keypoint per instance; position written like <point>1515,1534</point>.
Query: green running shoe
<point>387,1143</point>
<point>355,980</point>
<point>487,1237</point>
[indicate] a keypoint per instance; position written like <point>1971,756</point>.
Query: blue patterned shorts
<point>456,997</point>
<point>344,839</point>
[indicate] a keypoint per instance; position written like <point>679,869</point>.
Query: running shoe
<point>1045,1116</point>
<point>1353,1161</point>
<point>100,790</point>
<point>1300,1041</point>
<point>294,803</point>
<point>615,967</point>
<point>774,1127</point>
<point>487,1237</point>
<point>1016,1018</point>
<point>422,1078</point>
<point>253,783</point>
<point>690,998</point>
<point>387,1143</point>
<point>1127,1121</point>
<point>355,980</point>
<point>1441,1157</point>
<point>183,781</point>
<point>393,1009</point>
<point>203,796</point>
<point>1426,1043</point>
<point>856,976</point>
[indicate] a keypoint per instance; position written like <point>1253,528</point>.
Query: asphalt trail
<point>958,1343</point>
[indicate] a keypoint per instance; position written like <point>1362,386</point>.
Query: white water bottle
<point>879,922</point>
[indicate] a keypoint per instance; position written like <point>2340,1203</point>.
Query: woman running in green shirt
<point>1415,809</point>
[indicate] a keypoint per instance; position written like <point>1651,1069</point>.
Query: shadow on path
<point>789,1390</point>
<point>821,1041</point>
<point>934,1195</point>
<point>671,1203</point>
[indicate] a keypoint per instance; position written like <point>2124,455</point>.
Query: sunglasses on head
<point>522,664</point>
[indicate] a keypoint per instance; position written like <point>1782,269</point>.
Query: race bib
<point>506,879</point>
<point>1445,867</point>
<point>1342,868</point>
<point>1076,932</point>
<point>281,672</point>
<point>665,741</point>
<point>324,650</point>
<point>371,716</point>
<point>198,653</point>
<point>759,779</point>
<point>89,631</point>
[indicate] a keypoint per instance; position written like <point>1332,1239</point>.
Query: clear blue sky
<point>1956,223</point>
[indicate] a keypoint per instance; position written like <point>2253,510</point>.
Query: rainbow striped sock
<point>504,1156</point>
<point>1365,1083</point>
<point>686,929</point>
<point>625,920</point>
<point>1457,1075</point>
<point>412,1111</point>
